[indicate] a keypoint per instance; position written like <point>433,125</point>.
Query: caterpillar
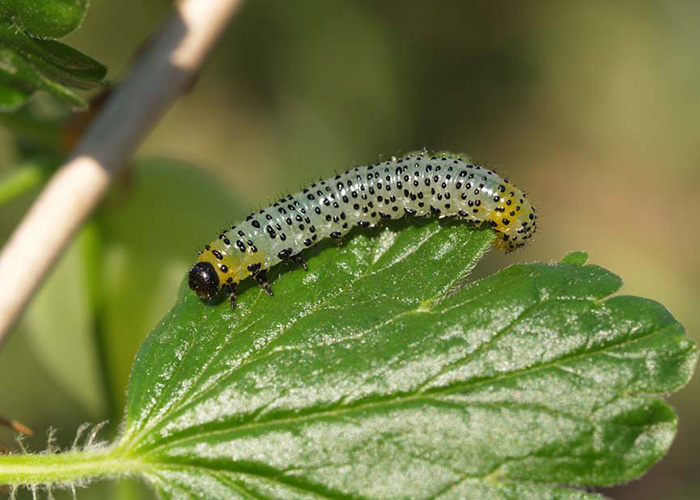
<point>418,184</point>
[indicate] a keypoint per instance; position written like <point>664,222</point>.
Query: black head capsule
<point>204,281</point>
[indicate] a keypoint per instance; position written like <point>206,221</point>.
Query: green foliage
<point>376,375</point>
<point>31,61</point>
<point>44,18</point>
<point>380,374</point>
<point>348,383</point>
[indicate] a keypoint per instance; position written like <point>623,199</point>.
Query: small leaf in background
<point>30,61</point>
<point>371,375</point>
<point>29,64</point>
<point>44,18</point>
<point>137,284</point>
<point>66,349</point>
<point>11,98</point>
<point>148,248</point>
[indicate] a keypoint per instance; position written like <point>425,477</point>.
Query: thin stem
<point>166,69</point>
<point>70,467</point>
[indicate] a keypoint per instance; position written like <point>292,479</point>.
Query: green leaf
<point>376,375</point>
<point>11,98</point>
<point>575,258</point>
<point>30,64</point>
<point>44,18</point>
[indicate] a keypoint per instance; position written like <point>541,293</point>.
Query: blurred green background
<point>593,107</point>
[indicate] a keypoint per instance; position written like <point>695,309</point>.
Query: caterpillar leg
<point>261,277</point>
<point>286,255</point>
<point>298,259</point>
<point>231,292</point>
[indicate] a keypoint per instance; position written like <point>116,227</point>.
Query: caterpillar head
<point>204,280</point>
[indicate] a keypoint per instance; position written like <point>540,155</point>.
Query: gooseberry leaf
<point>29,63</point>
<point>380,373</point>
<point>44,18</point>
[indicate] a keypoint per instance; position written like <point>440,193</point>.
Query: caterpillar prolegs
<point>418,184</point>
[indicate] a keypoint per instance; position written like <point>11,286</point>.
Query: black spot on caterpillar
<point>418,184</point>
